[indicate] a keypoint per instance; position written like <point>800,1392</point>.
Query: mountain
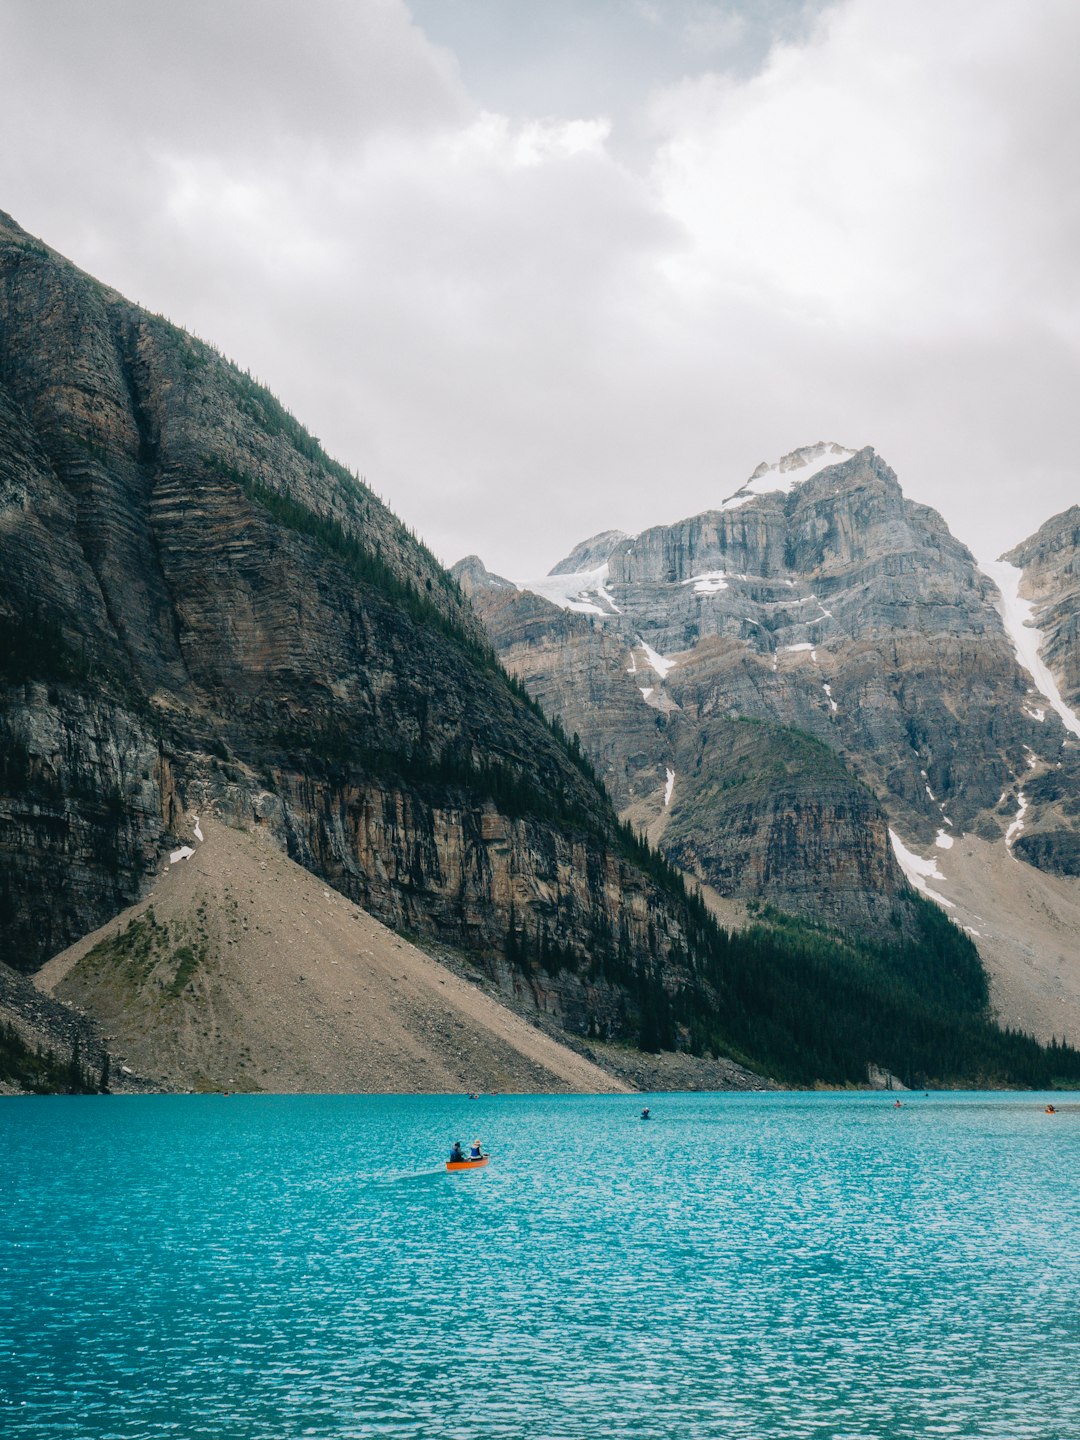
<point>1050,562</point>
<point>237,951</point>
<point>205,619</point>
<point>1040,584</point>
<point>201,613</point>
<point>807,691</point>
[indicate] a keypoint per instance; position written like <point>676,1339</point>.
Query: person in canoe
<point>456,1152</point>
<point>475,1153</point>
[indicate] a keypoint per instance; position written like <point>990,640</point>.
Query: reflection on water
<point>742,1266</point>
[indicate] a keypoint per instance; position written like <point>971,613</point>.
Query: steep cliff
<point>1050,562</point>
<point>822,603</point>
<point>1040,580</point>
<point>201,611</point>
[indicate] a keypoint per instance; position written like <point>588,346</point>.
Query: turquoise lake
<point>759,1266</point>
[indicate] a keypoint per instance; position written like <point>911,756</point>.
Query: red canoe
<point>468,1164</point>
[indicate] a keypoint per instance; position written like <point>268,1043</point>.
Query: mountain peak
<point>590,554</point>
<point>472,574</point>
<point>781,476</point>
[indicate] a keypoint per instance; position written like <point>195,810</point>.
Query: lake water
<point>759,1266</point>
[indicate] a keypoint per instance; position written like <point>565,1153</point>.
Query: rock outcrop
<point>1050,561</point>
<point>820,602</point>
<point>201,613</point>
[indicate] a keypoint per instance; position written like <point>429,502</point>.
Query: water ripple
<point>790,1266</point>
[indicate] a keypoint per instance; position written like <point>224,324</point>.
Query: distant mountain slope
<point>816,601</point>
<point>816,598</point>
<point>1050,562</point>
<point>1041,581</point>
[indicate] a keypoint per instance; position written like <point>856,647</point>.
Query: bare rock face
<point>472,575</point>
<point>1047,799</point>
<point>821,603</point>
<point>590,553</point>
<point>200,612</point>
<point>1050,560</point>
<point>772,813</point>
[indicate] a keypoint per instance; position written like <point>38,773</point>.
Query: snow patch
<point>792,649</point>
<point>660,663</point>
<point>646,691</point>
<point>198,832</point>
<point>944,840</point>
<point>1018,823</point>
<point>791,470</point>
<point>184,853</point>
<point>1026,638</point>
<point>669,788</point>
<point>918,870</point>
<point>832,703</point>
<point>584,592</point>
<point>709,582</point>
<point>605,595</point>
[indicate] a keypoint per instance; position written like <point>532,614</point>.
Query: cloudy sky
<point>539,269</point>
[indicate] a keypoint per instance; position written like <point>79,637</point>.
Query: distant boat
<point>468,1164</point>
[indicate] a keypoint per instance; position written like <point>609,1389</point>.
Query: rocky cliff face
<point>200,611</point>
<point>1046,618</point>
<point>1050,561</point>
<point>820,602</point>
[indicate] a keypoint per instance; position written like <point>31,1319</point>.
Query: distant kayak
<point>468,1164</point>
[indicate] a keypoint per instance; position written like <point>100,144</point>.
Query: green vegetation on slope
<point>144,954</point>
<point>43,1072</point>
<point>807,1005</point>
<point>812,1006</point>
<point>363,563</point>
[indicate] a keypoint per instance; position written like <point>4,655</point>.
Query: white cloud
<point>887,174</point>
<point>520,337</point>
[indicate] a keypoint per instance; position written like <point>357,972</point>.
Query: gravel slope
<point>242,971</point>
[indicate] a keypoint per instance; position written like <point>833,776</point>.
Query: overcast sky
<point>540,269</point>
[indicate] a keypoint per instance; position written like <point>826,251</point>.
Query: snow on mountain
<point>918,871</point>
<point>583,591</point>
<point>591,553</point>
<point>660,663</point>
<point>790,470</point>
<point>1016,616</point>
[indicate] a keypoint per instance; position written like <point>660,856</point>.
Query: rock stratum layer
<point>242,971</point>
<point>1050,561</point>
<point>202,613</point>
<point>772,686</point>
